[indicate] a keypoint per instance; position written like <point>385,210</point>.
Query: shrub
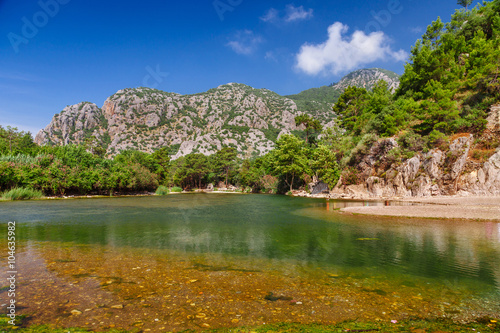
<point>20,193</point>
<point>176,189</point>
<point>162,190</point>
<point>362,148</point>
<point>350,176</point>
<point>412,141</point>
<point>438,140</point>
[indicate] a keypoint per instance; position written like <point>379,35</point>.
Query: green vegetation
<point>162,190</point>
<point>18,193</point>
<point>13,142</point>
<point>176,189</point>
<point>310,124</point>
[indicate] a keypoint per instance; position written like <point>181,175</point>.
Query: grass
<point>21,193</point>
<point>176,189</point>
<point>162,190</point>
<point>484,325</point>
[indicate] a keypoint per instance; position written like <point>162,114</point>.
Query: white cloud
<point>297,13</point>
<point>245,42</point>
<point>291,14</point>
<point>271,15</point>
<point>341,53</point>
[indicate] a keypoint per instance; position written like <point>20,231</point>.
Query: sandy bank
<point>475,208</point>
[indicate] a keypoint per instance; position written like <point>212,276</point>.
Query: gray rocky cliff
<point>434,173</point>
<point>72,124</point>
<point>147,119</point>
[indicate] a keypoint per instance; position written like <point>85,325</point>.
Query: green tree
<point>324,165</point>
<point>290,158</point>
<point>94,146</point>
<point>13,141</point>
<point>464,3</point>
<point>434,33</point>
<point>225,161</point>
<point>311,124</point>
<point>193,169</point>
<point>161,162</point>
<point>350,108</point>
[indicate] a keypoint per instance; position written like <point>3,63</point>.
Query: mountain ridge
<point>233,114</point>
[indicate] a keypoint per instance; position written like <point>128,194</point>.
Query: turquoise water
<point>286,230</point>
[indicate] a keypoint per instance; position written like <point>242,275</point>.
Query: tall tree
<point>350,108</point>
<point>465,3</point>
<point>324,165</point>
<point>225,160</point>
<point>194,167</point>
<point>309,122</point>
<point>161,163</point>
<point>290,158</point>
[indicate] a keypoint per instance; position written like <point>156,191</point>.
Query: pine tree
<point>465,3</point>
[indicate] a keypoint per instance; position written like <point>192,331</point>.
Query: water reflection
<point>286,229</point>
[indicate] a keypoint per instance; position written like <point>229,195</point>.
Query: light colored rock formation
<point>147,119</point>
<point>435,173</point>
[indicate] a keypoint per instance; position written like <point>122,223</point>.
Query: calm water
<point>296,235</point>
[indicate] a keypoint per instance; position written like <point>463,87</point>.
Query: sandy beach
<point>473,208</point>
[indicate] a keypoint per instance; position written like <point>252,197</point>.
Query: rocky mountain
<point>147,119</point>
<point>319,100</point>
<point>230,115</point>
<point>366,78</point>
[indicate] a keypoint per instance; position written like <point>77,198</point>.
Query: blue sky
<point>55,53</point>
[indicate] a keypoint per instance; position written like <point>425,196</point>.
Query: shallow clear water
<point>291,236</point>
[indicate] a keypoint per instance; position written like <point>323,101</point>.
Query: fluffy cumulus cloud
<point>342,53</point>
<point>245,42</point>
<point>290,14</point>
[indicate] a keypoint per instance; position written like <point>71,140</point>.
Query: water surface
<point>237,249</point>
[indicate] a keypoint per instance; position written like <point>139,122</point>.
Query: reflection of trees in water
<point>430,249</point>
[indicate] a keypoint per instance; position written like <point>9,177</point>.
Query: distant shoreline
<point>476,208</point>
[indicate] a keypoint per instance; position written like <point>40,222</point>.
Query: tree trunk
<point>291,184</point>
<point>227,175</point>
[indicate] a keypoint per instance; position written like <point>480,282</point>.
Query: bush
<point>412,141</point>
<point>176,189</point>
<point>438,140</point>
<point>350,176</point>
<point>162,190</point>
<point>362,148</point>
<point>20,193</point>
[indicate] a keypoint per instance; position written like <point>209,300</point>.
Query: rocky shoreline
<point>461,208</point>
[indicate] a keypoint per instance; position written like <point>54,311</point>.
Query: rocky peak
<point>71,124</point>
<point>367,78</point>
<point>147,119</point>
